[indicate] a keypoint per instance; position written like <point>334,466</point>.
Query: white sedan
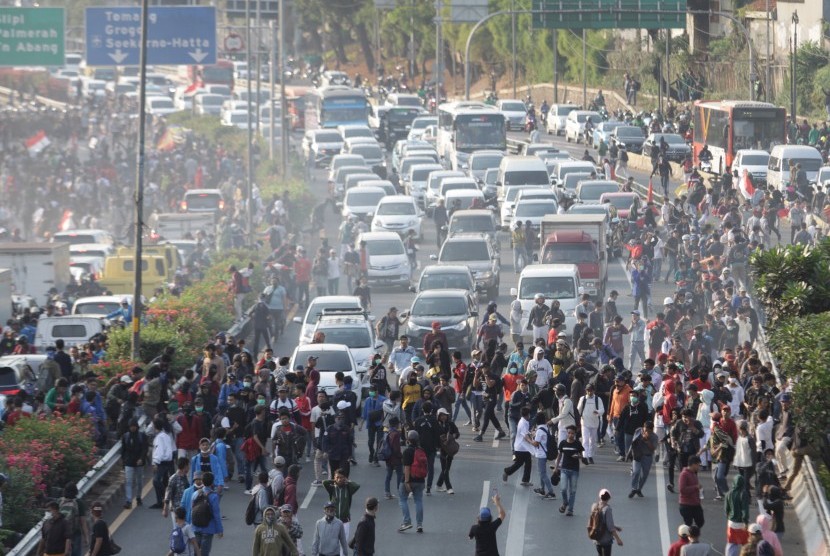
<point>398,213</point>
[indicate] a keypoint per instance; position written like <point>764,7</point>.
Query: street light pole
<point>250,174</point>
<point>513,47</point>
<point>768,77</point>
<point>793,88</point>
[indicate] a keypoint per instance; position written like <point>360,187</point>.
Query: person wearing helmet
<point>414,462</point>
<point>23,347</point>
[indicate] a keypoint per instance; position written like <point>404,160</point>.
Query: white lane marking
<point>518,521</point>
<point>122,517</point>
<point>625,271</point>
<point>662,510</point>
<point>495,442</point>
<point>485,494</point>
<point>308,497</point>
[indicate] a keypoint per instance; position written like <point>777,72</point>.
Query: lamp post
<point>793,89</point>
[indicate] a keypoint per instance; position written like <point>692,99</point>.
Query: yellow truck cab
<point>171,255</point>
<point>119,274</point>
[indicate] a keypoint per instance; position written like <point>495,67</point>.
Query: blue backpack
<point>385,451</point>
<point>178,545</point>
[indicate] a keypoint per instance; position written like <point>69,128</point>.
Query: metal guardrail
<point>29,543</point>
<point>6,92</point>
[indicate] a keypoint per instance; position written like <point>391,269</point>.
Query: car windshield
<point>484,162</point>
<point>212,100</point>
<point>358,132</point>
<point>593,192</point>
<point>564,110</point>
<point>98,308</point>
<point>439,307</point>
<point>380,247</point>
<point>365,199</point>
<point>352,337</point>
<point>532,177</point>
<point>476,223</point>
<point>490,178</point>
<point>513,192</point>
<point>88,252</point>
<point>572,180</point>
<point>202,201</point>
<point>239,118</point>
<point>396,209</point>
<point>513,106</point>
<point>420,174</point>
<point>439,281</point>
<point>621,201</point>
<point>588,209</point>
<point>629,131</point>
<point>421,123</point>
<point>368,152</point>
<point>807,164</point>
<point>328,137</point>
<point>8,378</point>
<point>75,239</point>
<point>671,139</point>
<point>162,103</point>
<point>552,287</point>
<point>327,361</point>
<point>317,309</point>
<point>409,101</point>
<point>755,160</point>
<point>464,251</point>
<point>535,208</point>
<point>570,253</point>
<point>458,185</point>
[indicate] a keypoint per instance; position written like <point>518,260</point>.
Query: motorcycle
<point>530,123</point>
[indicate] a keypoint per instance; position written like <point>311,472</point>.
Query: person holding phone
<point>570,454</point>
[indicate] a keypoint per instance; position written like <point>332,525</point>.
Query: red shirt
<point>302,270</point>
<point>459,372</point>
<point>304,407</point>
<point>674,549</point>
<point>728,426</point>
<point>553,334</point>
<point>74,406</point>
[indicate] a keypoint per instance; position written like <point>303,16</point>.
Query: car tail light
<point>221,205</point>
<point>184,205</point>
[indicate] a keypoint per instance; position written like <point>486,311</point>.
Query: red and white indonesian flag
<point>37,142</point>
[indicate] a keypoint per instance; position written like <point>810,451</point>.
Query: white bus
<point>467,126</point>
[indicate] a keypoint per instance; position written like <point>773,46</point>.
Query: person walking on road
<point>643,446</point>
<point>414,478</point>
<point>340,491</point>
<point>689,487</point>
<point>484,531</point>
<point>448,439</point>
<point>540,454</point>
<point>522,450</point>
<point>570,454</point>
<point>271,537</point>
<point>696,547</point>
<point>206,516</point>
<point>363,542</point>
<point>610,531</point>
<point>591,409</point>
<point>329,534</point>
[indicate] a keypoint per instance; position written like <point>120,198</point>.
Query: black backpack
<point>550,448</point>
<point>202,513</point>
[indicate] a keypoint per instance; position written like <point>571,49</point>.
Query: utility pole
<point>283,101</point>
<point>793,88</point>
<point>412,40</point>
<point>768,78</point>
<point>439,49</point>
<point>250,175</point>
<point>139,182</point>
<point>271,100</point>
<point>513,46</point>
<point>555,66</point>
<point>258,64</point>
<point>584,70</point>
<point>668,72</point>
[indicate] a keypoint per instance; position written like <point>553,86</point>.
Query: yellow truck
<point>166,250</point>
<point>119,274</point>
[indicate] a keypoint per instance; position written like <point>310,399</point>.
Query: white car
<point>399,214</point>
<point>208,104</point>
<point>360,201</point>
<point>533,210</point>
<point>84,252</point>
<point>331,359</point>
<point>509,201</point>
<point>575,124</point>
<point>415,181</point>
<point>514,112</point>
<point>315,309</point>
<point>419,126</point>
<point>99,305</point>
<point>160,106</point>
<point>233,105</point>
<point>388,262</point>
<point>557,115</point>
<point>433,189</point>
<point>237,119</point>
<point>353,329</point>
<point>755,162</point>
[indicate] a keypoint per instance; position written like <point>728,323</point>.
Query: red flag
<point>650,194</point>
<point>37,142</point>
<point>198,178</point>
<point>750,190</point>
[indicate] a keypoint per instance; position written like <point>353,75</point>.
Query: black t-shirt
<point>101,531</point>
<point>408,458</point>
<point>55,532</point>
<point>484,532</point>
<point>204,463</point>
<point>570,453</point>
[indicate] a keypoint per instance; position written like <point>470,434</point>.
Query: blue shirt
<point>402,357</point>
<point>215,468</point>
<point>371,404</point>
<point>277,302</point>
<point>126,314</point>
<point>215,525</point>
<point>227,389</point>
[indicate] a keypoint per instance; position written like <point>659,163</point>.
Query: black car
<point>455,309</point>
<point>676,148</point>
<point>395,124</point>
<point>629,135</point>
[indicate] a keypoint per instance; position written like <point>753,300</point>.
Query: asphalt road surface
<point>533,526</point>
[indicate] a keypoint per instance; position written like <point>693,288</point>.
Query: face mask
<point>199,409</point>
<point>513,370</point>
<point>377,361</point>
<point>205,451</point>
<point>634,400</point>
<point>260,402</point>
<point>373,394</point>
<point>247,384</point>
<point>269,519</point>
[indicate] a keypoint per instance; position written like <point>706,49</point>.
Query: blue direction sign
<point>175,36</point>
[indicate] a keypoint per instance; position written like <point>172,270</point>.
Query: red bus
<point>727,126</point>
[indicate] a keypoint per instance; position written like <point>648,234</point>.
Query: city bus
<point>467,126</point>
<point>727,126</point>
<point>336,105</point>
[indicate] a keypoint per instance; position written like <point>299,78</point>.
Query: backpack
<point>178,544</point>
<point>418,469</point>
<point>596,523</point>
<point>251,510</point>
<point>385,450</point>
<point>202,513</point>
<point>70,510</point>
<point>550,448</point>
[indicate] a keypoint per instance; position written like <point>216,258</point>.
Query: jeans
<point>721,472</point>
<point>461,401</point>
<point>478,405</point>
<point>263,332</point>
<point>277,323</point>
<point>519,259</point>
<point>133,474</point>
<point>520,459</point>
<point>604,549</point>
<point>375,436</point>
<point>334,286</point>
<point>163,471</point>
<point>205,542</point>
<point>570,478</point>
<point>302,294</point>
<point>589,440</point>
<point>640,469</point>
<point>240,457</point>
<point>398,470</point>
<point>544,477</point>
<point>78,547</point>
<point>250,467</point>
<point>430,468</point>
<point>444,476</point>
<point>418,496</point>
<point>638,349</point>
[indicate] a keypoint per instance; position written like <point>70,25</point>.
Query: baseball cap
<point>197,474</point>
<point>279,461</point>
<point>343,404</point>
<point>126,379</point>
<point>485,514</point>
<point>286,508</point>
<point>492,317</point>
<point>443,411</point>
<point>604,492</point>
<point>635,312</point>
<point>683,530</point>
<point>754,528</point>
<point>415,359</point>
<point>786,397</point>
<point>668,301</point>
<point>312,358</point>
<point>328,505</point>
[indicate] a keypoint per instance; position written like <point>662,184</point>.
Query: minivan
<point>555,281</point>
<point>523,170</point>
<point>73,330</point>
<point>388,262</point>
<point>778,168</point>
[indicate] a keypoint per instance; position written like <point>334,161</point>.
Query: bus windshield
<point>480,131</point>
<point>751,134</point>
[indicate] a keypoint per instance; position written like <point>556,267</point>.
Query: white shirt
<point>543,371</point>
<point>587,406</point>
<point>162,448</point>
<point>521,444</point>
<point>542,438</point>
<point>763,433</point>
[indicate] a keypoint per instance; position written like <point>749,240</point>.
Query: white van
<point>74,330</point>
<point>555,281</point>
<point>523,170</point>
<point>778,168</point>
<point>557,114</point>
<point>388,262</point>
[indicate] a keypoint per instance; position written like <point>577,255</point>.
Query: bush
<point>155,336</point>
<point>21,496</point>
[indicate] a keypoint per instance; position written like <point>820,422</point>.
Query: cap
<point>668,301</point>
<point>754,528</point>
<point>279,461</point>
<point>286,508</point>
<point>635,312</point>
<point>492,317</point>
<point>443,411</point>
<point>328,505</point>
<point>125,300</point>
<point>197,475</point>
<point>620,377</point>
<point>415,359</point>
<point>282,388</point>
<point>312,358</point>
<point>343,404</point>
<point>539,296</point>
<point>604,492</point>
<point>126,379</point>
<point>485,515</point>
<point>436,324</point>
<point>683,530</point>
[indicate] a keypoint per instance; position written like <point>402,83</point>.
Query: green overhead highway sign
<point>609,14</point>
<point>31,36</point>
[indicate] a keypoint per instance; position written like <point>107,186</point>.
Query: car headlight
<point>378,223</point>
<point>484,275</point>
<point>412,222</point>
<point>590,284</point>
<point>461,326</point>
